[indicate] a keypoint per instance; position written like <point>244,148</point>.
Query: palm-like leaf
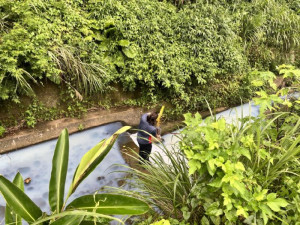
<point>59,172</point>
<point>75,213</point>
<point>18,201</point>
<point>10,216</point>
<point>109,204</point>
<point>92,158</point>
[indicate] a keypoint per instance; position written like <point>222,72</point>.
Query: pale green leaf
<point>92,158</point>
<point>275,204</point>
<point>204,221</point>
<point>109,204</point>
<point>239,166</point>
<point>130,52</point>
<point>194,166</point>
<point>124,43</point>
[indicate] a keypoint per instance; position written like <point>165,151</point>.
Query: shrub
<point>242,172</point>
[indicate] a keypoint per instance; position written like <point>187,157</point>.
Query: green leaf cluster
<point>201,51</point>
<point>247,171</point>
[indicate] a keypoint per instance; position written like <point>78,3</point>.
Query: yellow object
<point>159,116</point>
<point>162,222</point>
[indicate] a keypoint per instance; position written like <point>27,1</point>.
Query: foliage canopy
<point>202,50</point>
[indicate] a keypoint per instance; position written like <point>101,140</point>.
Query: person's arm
<point>158,133</point>
<point>155,133</point>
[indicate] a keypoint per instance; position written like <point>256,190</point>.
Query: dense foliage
<point>202,50</point>
<point>239,171</point>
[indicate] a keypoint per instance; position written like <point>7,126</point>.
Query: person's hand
<point>158,137</point>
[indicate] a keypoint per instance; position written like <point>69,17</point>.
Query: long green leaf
<point>68,220</point>
<point>18,201</point>
<point>92,158</point>
<point>109,204</point>
<point>10,216</point>
<point>59,172</point>
<point>75,213</point>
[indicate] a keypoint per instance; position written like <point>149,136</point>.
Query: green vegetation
<point>85,209</point>
<point>81,127</point>
<point>201,50</point>
<point>183,53</point>
<point>2,130</point>
<point>245,172</point>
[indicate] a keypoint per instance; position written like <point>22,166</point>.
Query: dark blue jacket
<point>143,137</point>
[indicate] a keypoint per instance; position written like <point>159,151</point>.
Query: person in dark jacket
<point>147,129</point>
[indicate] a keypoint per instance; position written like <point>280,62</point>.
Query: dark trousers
<point>145,150</point>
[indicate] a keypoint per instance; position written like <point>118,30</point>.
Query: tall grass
<point>87,77</point>
<point>166,185</point>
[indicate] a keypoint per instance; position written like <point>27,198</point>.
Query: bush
<point>201,51</point>
<point>239,173</point>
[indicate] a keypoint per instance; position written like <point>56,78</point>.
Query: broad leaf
<point>18,201</point>
<point>10,216</point>
<point>124,43</point>
<point>194,166</point>
<point>68,220</point>
<point>275,203</point>
<point>109,204</point>
<point>204,221</point>
<point>214,210</point>
<point>92,158</point>
<point>130,52</point>
<point>59,172</point>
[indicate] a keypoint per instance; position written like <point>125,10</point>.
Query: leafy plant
<point>80,127</point>
<point>166,185</point>
<point>242,166</point>
<point>84,208</point>
<point>242,172</point>
<point>2,131</point>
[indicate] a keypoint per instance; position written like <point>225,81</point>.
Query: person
<point>147,129</point>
